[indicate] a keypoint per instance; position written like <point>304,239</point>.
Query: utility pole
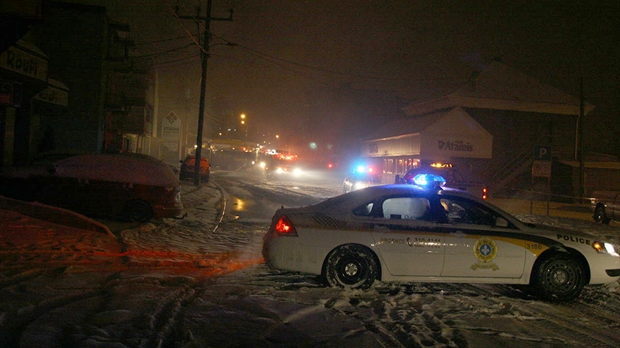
<point>582,182</point>
<point>204,57</point>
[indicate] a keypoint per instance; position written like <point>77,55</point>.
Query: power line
<point>171,63</point>
<point>163,52</point>
<point>162,40</point>
<point>266,57</point>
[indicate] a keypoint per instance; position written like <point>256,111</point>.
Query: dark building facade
<point>520,115</point>
<point>77,39</point>
<point>68,84</point>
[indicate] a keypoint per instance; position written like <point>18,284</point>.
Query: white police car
<point>412,234</point>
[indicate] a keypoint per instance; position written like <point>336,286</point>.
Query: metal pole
<point>204,55</point>
<point>582,182</point>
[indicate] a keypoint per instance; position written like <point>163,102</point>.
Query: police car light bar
<point>429,180</point>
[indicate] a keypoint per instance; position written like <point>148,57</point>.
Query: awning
<point>437,136</point>
<point>56,93</point>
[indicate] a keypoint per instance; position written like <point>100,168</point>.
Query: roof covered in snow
<point>501,87</point>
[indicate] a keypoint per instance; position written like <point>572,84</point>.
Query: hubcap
<point>351,269</point>
<point>560,277</point>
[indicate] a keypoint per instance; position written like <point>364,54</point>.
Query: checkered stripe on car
<point>327,221</point>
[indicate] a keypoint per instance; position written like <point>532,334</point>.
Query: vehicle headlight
<point>360,185</point>
<point>606,248</point>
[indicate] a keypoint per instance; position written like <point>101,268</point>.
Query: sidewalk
<point>45,215</point>
<point>527,207</point>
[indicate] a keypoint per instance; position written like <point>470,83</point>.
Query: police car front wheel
<point>559,278</point>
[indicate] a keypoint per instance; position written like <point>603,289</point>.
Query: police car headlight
<point>606,248</point>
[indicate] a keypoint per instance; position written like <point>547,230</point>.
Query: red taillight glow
<point>284,226</point>
<point>484,193</point>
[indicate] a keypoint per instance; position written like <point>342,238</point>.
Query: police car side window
<point>364,209</point>
<point>467,212</point>
<point>407,208</point>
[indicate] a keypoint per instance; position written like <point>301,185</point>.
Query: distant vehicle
<point>606,206</point>
<point>406,233</point>
<point>453,177</point>
<point>188,168</point>
<point>115,186</point>
<point>282,165</point>
<point>286,168</point>
<point>359,179</point>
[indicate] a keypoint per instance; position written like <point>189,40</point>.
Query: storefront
<point>445,136</point>
<point>48,107</point>
<point>23,74</point>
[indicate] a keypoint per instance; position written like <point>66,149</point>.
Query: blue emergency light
<point>429,180</point>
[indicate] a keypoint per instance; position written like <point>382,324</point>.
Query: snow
<point>117,168</point>
<point>201,282</point>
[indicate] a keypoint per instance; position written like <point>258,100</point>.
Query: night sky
<point>420,49</point>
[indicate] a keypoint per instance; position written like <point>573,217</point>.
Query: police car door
<point>476,246</point>
<point>408,243</point>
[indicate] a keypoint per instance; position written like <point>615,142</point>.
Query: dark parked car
<point>114,186</point>
<point>453,178</point>
<point>606,206</point>
<point>188,168</point>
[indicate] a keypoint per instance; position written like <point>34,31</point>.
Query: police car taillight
<point>285,227</point>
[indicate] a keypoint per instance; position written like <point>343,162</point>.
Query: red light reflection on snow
<point>210,264</point>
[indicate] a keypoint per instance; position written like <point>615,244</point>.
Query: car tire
<point>559,278</point>
<point>351,266</point>
<point>600,216</point>
<point>139,211</point>
<point>205,178</point>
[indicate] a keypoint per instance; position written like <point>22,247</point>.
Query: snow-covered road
<point>200,282</point>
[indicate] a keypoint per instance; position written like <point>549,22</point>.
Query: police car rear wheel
<point>560,278</point>
<point>351,266</point>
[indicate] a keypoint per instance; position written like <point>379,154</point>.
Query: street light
<point>246,128</point>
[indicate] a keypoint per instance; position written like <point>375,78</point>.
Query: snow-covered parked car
<point>409,233</point>
<point>111,185</point>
